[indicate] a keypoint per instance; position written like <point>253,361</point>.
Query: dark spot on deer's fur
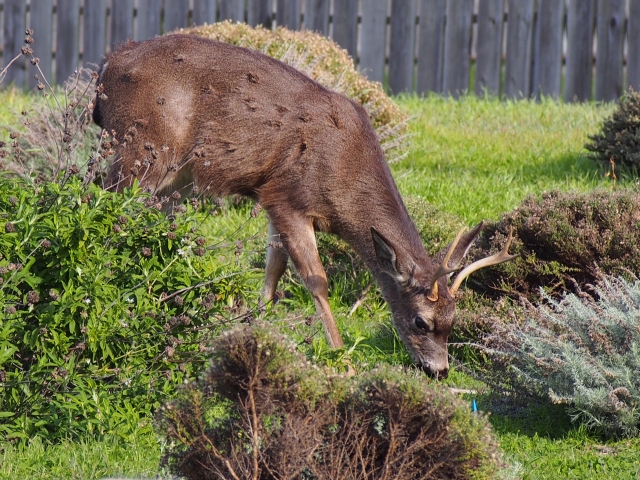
<point>303,147</point>
<point>251,104</point>
<point>178,57</point>
<point>273,123</point>
<point>281,109</point>
<point>252,77</point>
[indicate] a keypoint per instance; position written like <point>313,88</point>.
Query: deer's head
<point>423,302</point>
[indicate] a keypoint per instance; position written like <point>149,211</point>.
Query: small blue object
<point>474,406</point>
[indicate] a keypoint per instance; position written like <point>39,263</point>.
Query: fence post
<point>633,46</point>
<point>176,13</point>
<point>431,45</point>
<point>489,47</point>
<point>547,49</point>
<point>372,40</point>
<point>231,10</point>
<point>41,22</point>
<point>517,82</point>
<point>14,28</point>
<point>610,42</point>
<point>260,12</point>
<point>345,23</point>
<point>316,16</point>
<point>67,39</point>
<point>288,14</point>
<point>402,45</point>
<point>147,22</point>
<point>577,82</point>
<point>121,22</point>
<point>457,40</point>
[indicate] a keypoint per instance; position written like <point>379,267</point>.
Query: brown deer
<point>189,111</point>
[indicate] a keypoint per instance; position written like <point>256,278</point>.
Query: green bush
<point>618,142</point>
<point>106,305</point>
<point>564,241</point>
<point>578,351</point>
<point>324,61</point>
<point>263,411</point>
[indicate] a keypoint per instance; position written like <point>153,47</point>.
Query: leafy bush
<point>106,305</point>
<point>262,411</point>
<point>324,61</point>
<point>581,352</point>
<point>618,142</point>
<point>564,240</point>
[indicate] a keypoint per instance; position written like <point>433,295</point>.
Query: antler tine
<point>500,257</point>
<point>443,268</point>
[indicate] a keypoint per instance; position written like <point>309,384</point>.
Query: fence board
<point>610,42</point>
<point>431,45</point>
<point>231,10</point>
<point>121,22</point>
<point>176,14</point>
<point>204,11</point>
<point>402,45</point>
<point>372,39</point>
<point>94,40</point>
<point>519,39</point>
<point>345,23</point>
<point>147,22</point>
<point>316,16</point>
<point>14,27</point>
<point>547,49</point>
<point>457,41</point>
<point>633,46</point>
<point>67,39</point>
<point>260,12</point>
<point>489,49</point>
<point>41,22</point>
<point>577,85</point>
<point>288,14</point>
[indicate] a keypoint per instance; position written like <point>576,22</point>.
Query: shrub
<point>106,305</point>
<point>581,352</point>
<point>324,61</point>
<point>618,142</point>
<point>262,411</point>
<point>564,240</point>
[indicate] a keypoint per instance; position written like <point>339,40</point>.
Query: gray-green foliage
<point>580,351</point>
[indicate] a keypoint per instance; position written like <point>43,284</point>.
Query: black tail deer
<point>192,111</point>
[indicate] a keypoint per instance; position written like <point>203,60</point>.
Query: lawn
<point>473,159</point>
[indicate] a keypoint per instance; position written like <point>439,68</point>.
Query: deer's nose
<point>436,373</point>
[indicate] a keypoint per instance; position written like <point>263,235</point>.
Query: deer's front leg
<point>276,264</point>
<point>299,241</point>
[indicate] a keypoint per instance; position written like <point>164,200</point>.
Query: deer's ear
<point>387,258</point>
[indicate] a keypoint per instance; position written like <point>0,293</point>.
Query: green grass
<point>474,159</point>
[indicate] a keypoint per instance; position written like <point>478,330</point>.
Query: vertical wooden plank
<point>611,16</point>
<point>260,12</point>
<point>121,22</point>
<point>402,45</point>
<point>288,14</point>
<point>431,45</point>
<point>95,32</point>
<point>457,44</point>
<point>147,21</point>
<point>633,46</point>
<point>41,22</point>
<point>14,28</point>
<point>316,16</point>
<point>345,23</point>
<point>176,14</point>
<point>204,11</point>
<point>372,39</point>
<point>547,49</point>
<point>577,85</point>
<point>67,39</point>
<point>489,48</point>
<point>231,10</point>
<point>517,82</point>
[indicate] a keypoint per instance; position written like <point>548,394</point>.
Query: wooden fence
<point>576,49</point>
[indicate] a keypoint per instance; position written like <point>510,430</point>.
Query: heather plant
<point>618,142</point>
<point>579,351</point>
<point>106,305</point>
<point>324,61</point>
<point>564,241</point>
<point>263,411</point>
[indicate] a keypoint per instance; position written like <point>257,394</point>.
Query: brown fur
<point>234,121</point>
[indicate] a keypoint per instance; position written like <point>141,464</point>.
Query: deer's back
<point>237,121</point>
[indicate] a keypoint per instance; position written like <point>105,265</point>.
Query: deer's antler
<point>443,268</point>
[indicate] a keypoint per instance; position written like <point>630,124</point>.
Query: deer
<point>190,112</point>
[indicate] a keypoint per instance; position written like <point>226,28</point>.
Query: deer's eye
<point>421,324</point>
